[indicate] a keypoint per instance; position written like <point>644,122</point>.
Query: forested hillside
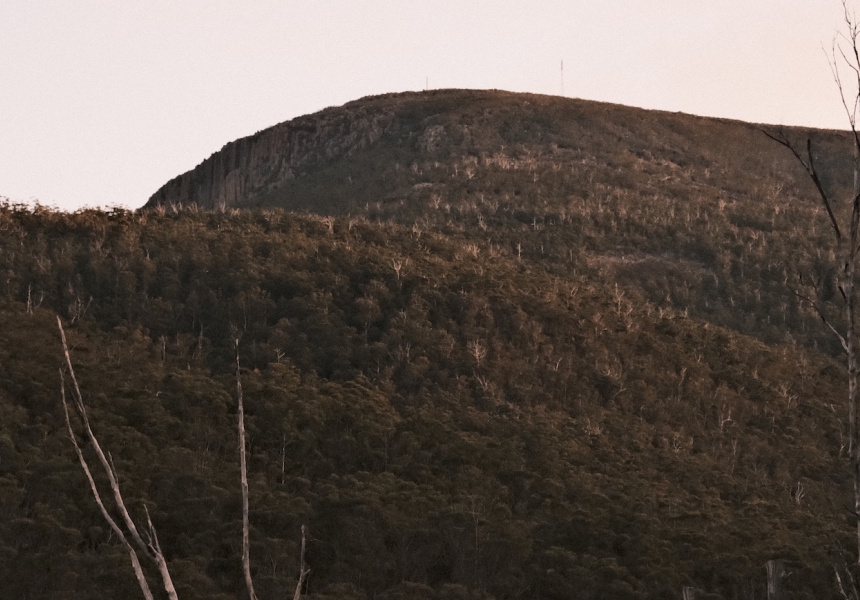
<point>473,368</point>
<point>697,214</point>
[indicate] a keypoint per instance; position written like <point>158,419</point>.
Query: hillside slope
<point>446,425</point>
<point>699,215</point>
<point>492,345</point>
<point>386,148</point>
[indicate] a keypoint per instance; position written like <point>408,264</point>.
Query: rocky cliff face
<point>392,156</point>
<point>285,165</point>
<point>254,165</point>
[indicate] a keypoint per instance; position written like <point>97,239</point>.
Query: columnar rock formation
<point>254,165</point>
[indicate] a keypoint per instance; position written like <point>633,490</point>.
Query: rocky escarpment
<point>369,150</point>
<point>248,167</point>
<point>415,155</point>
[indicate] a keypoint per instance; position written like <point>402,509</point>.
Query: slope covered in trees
<point>451,418</point>
<point>696,214</point>
<point>493,346</point>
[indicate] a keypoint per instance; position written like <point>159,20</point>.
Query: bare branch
<point>854,65</point>
<point>810,168</point>
<point>855,227</point>
<point>106,463</point>
<point>845,580</point>
<point>815,306</point>
<point>150,533</point>
<point>303,569</point>
<point>847,256</point>
<point>243,473</point>
<point>151,551</point>
<point>135,563</point>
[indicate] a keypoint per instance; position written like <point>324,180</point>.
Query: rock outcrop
<point>257,164</point>
<point>269,167</point>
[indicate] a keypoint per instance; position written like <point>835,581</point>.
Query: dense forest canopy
<point>561,362</point>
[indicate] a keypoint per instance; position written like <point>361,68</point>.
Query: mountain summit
<point>399,145</point>
<point>693,213</point>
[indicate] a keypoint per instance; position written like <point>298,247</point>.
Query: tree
<point>243,468</point>
<point>844,219</point>
<point>150,547</point>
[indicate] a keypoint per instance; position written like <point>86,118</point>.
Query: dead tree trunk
<point>150,547</point>
<point>846,583</point>
<point>775,576</point>
<point>243,474</point>
<point>135,562</point>
<point>303,569</point>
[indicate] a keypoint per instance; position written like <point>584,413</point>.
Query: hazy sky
<point>101,102</point>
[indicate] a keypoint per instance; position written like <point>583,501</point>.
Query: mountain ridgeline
<point>492,346</point>
<point>675,206</point>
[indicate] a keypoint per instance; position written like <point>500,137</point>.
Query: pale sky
<point>103,101</point>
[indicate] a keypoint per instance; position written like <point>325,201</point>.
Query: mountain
<point>401,146</point>
<point>700,215</point>
<point>491,345</point>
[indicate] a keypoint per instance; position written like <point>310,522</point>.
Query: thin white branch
<point>151,551</point>
<point>304,571</point>
<point>243,473</point>
<point>135,563</point>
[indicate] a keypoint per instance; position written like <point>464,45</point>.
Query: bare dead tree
<point>303,569</point>
<point>776,573</point>
<point>243,474</point>
<point>845,53</point>
<point>150,547</point>
<point>846,582</point>
<point>135,562</point>
<point>147,542</point>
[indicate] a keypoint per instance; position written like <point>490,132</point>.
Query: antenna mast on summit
<point>562,77</point>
